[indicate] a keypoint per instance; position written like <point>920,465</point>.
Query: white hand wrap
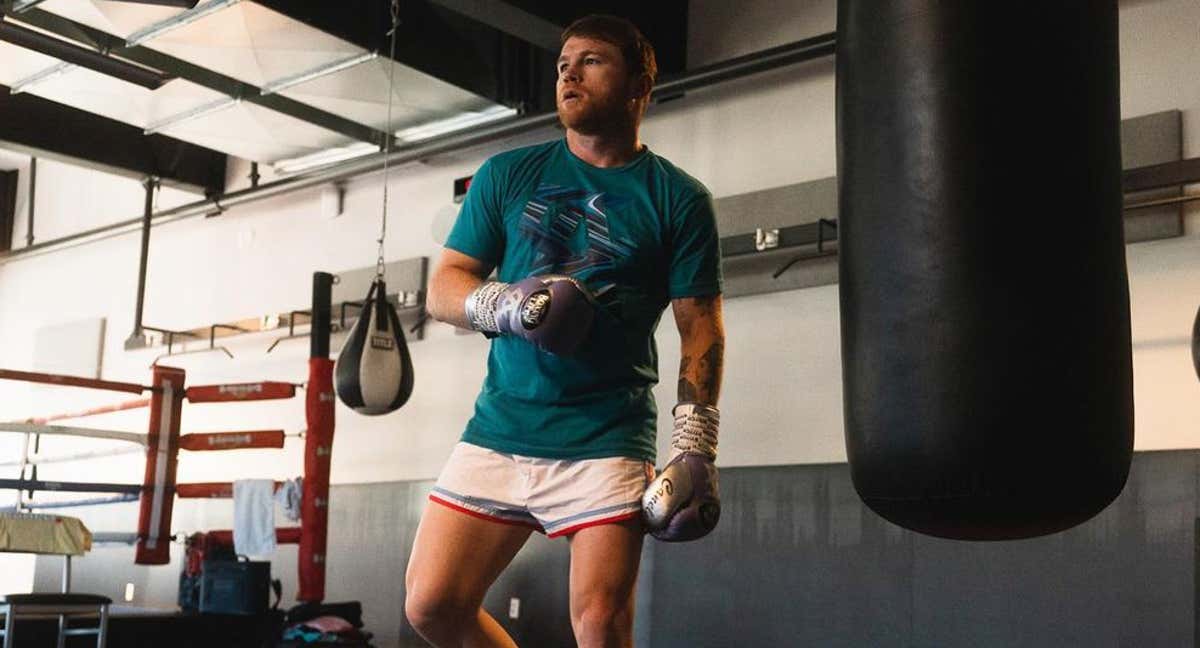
<point>695,430</point>
<point>481,306</point>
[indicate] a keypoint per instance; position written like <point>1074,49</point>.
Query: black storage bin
<point>235,587</point>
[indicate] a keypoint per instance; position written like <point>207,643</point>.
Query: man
<point>593,235</point>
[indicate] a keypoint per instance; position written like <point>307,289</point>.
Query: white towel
<point>289,497</point>
<point>254,517</point>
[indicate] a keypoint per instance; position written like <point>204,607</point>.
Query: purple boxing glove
<point>684,503</point>
<point>553,312</point>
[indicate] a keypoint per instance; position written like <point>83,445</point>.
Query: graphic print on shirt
<point>569,229</point>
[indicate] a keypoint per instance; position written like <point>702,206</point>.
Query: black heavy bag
<point>1196,343</point>
<point>984,300</point>
<point>374,372</point>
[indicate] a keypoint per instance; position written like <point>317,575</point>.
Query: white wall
<point>1160,62</point>
<point>782,394</point>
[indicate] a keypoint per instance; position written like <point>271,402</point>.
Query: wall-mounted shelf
<point>819,233</point>
<point>406,291</point>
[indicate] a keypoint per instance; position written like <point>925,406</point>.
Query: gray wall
<point>799,561</point>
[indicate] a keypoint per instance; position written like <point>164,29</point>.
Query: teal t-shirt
<point>637,236</point>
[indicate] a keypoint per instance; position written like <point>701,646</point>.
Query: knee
<point>601,621</point>
<point>437,616</point>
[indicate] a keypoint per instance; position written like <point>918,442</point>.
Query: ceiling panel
<point>98,94</point>
<point>360,93</point>
<point>109,97</point>
<point>245,130</point>
<point>255,45</point>
<point>116,18</point>
<point>255,133</point>
<point>252,44</point>
<point>18,63</point>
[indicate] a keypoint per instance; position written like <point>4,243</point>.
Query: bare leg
<point>604,568</point>
<point>455,559</point>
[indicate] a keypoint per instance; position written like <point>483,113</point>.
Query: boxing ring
<point>163,442</point>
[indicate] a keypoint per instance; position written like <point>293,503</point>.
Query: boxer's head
<point>606,71</point>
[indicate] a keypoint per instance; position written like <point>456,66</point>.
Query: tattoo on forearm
<point>700,382</point>
<point>703,337</point>
<point>687,390</point>
<point>711,365</point>
<point>698,309</point>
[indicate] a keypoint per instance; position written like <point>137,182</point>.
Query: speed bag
<point>374,374</point>
<point>987,366</point>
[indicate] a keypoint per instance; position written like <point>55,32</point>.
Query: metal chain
<point>387,146</point>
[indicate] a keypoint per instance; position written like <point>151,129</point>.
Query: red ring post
<point>314,503</point>
<point>162,451</point>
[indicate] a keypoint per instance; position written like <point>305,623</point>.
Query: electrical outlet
<point>514,607</point>
<point>128,591</point>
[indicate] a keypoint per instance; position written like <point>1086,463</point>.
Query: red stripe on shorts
<point>608,520</point>
<point>483,516</point>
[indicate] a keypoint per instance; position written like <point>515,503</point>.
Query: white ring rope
<point>62,430</point>
<point>78,456</point>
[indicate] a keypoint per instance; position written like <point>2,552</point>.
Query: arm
<point>553,312</point>
<point>455,276</point>
<point>683,502</point>
<point>702,340</point>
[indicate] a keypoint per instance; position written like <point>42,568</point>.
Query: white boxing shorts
<point>554,496</point>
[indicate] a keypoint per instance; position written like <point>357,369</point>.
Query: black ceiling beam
<point>81,56</point>
<point>182,4</point>
<point>509,19</point>
<point>87,139</point>
<point>201,76</point>
<point>10,7</point>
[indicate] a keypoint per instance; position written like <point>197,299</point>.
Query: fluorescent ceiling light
<point>317,72</point>
<point>194,113</point>
<point>192,15</point>
<point>322,158</point>
<point>51,72</point>
<point>456,123</point>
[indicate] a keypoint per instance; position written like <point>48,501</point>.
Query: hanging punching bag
<point>984,299</point>
<point>374,372</point>
<point>1196,343</point>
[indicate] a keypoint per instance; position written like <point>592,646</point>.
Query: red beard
<point>592,115</point>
